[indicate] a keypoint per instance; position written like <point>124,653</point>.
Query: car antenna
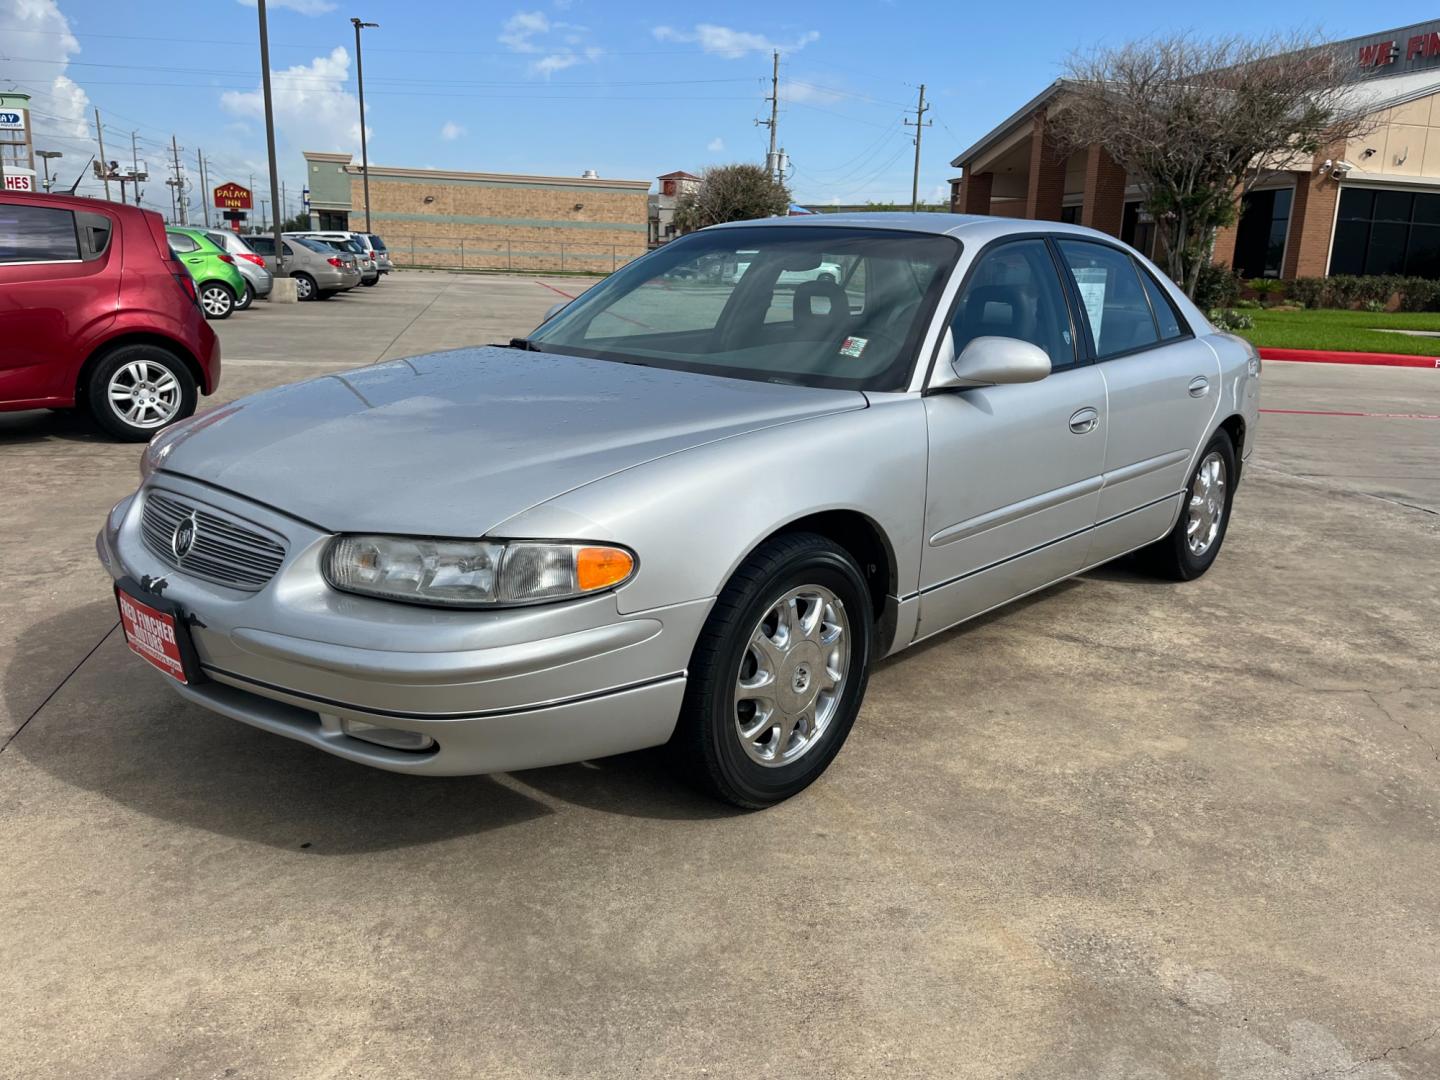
<point>80,176</point>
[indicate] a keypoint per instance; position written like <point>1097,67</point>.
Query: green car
<point>217,282</point>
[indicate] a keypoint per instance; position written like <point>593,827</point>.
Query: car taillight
<point>187,286</point>
<point>227,258</point>
<point>335,263</point>
<point>256,259</point>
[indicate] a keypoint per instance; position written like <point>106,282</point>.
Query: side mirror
<point>989,361</point>
<point>555,309</point>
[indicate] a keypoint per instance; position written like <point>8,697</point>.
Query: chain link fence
<point>499,253</point>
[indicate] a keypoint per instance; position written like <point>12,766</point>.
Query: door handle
<point>1199,386</point>
<point>1084,420</point>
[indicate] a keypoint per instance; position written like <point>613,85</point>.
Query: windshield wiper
<point>519,343</point>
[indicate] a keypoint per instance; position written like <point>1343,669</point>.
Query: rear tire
<point>305,288</point>
<point>137,390</point>
<point>217,300</point>
<point>368,284</point>
<point>246,300</point>
<point>778,673</point>
<point>1195,541</point>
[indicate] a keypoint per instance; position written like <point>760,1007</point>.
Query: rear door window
<point>37,234</point>
<point>1111,297</point>
<point>1166,315</point>
<point>181,243</point>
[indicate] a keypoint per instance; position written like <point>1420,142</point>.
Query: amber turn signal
<point>601,567</point>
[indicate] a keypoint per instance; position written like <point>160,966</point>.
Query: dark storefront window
<point>1260,237</point>
<point>1070,215</point>
<point>1387,232</point>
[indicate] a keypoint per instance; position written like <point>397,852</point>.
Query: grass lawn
<point>1345,331</point>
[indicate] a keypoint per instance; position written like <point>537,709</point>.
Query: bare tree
<point>731,193</point>
<point>1196,122</point>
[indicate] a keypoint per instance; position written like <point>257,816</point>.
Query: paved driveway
<point>1121,830</point>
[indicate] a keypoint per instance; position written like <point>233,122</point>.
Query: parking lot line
<point>1337,412</point>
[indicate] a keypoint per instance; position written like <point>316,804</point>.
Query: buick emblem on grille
<point>184,538</point>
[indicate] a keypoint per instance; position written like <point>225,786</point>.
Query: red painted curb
<point>1325,356</point>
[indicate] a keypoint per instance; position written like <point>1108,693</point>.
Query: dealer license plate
<point>154,635</point>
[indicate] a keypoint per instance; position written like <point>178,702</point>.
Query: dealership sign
<point>12,120</point>
<point>1408,50</point>
<point>19,182</point>
<point>232,197</point>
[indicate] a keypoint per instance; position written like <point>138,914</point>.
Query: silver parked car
<point>370,248</point>
<point>686,511</point>
<point>258,279</point>
<point>318,269</point>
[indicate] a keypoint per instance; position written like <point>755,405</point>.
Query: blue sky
<point>556,87</point>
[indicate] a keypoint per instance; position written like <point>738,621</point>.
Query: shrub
<point>1309,291</point>
<point>1374,305</point>
<point>1247,303</point>
<point>1419,294</point>
<point>1217,287</point>
<point>1230,320</point>
<point>1343,290</point>
<point>1265,286</point>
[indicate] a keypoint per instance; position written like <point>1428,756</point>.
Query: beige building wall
<point>1405,141</point>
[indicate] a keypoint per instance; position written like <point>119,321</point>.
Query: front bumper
<point>495,690</point>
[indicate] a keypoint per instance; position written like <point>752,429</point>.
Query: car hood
<point>453,443</point>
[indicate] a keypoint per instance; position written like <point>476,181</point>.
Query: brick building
<point>434,217</point>
<point>1370,207</point>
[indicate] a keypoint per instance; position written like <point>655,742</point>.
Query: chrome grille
<point>224,550</point>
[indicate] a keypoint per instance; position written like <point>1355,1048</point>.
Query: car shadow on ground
<point>42,425</point>
<point>116,729</point>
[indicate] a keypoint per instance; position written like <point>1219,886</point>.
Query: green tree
<point>731,193</point>
<point>1195,122</point>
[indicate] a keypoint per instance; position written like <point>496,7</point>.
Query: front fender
<point>694,516</point>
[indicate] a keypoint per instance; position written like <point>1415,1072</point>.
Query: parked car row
<point>132,348</point>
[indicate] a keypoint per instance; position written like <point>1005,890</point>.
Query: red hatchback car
<point>96,312</point>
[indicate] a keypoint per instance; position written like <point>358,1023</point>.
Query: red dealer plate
<point>152,635</point>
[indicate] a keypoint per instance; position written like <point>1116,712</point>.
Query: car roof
<point>969,227</point>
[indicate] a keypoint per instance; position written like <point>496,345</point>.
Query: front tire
<point>778,673</point>
<point>216,300</point>
<point>138,390</point>
<point>1195,541</point>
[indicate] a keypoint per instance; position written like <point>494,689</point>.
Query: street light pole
<point>360,83</point>
<point>270,127</point>
<point>45,156</point>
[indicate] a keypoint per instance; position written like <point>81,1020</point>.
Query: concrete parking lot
<point>1120,830</point>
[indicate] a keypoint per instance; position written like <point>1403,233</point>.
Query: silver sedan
<point>686,510</point>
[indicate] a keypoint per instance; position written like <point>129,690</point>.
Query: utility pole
<point>772,162</point>
<point>360,83</point>
<point>104,162</point>
<point>919,124</point>
<point>179,182</point>
<point>204,187</point>
<point>269,127</point>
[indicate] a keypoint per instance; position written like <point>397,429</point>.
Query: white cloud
<point>807,93</point>
<point>450,131</point>
<point>313,110</point>
<point>522,28</point>
<point>303,7</point>
<point>557,45</point>
<point>37,29</point>
<point>715,145</point>
<point>729,43</point>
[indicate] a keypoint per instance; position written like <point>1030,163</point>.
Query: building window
<point>334,220</point>
<point>1070,215</point>
<point>1260,236</point>
<point>1387,232</point>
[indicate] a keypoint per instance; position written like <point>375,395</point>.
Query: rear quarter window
<point>37,234</point>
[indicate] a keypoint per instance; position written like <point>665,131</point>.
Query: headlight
<point>472,573</point>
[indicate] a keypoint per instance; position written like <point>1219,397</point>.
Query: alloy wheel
<point>792,675</point>
<point>144,394</point>
<point>217,301</point>
<point>1207,504</point>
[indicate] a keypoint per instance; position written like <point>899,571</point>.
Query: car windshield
<point>810,305</point>
<point>376,242</point>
